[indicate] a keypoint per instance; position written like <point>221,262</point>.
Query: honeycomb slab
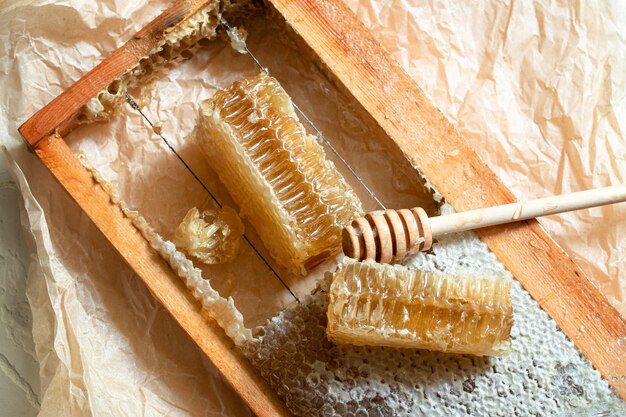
<point>278,174</point>
<point>384,305</point>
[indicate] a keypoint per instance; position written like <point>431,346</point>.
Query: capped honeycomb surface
<point>278,174</point>
<point>389,305</point>
<point>213,236</point>
<point>544,375</point>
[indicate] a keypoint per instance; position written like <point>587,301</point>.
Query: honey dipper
<point>387,236</point>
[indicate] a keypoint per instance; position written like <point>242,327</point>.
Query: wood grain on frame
<point>418,131</point>
<point>158,277</point>
<point>59,114</point>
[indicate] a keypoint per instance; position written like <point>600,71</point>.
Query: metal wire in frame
<point>133,104</point>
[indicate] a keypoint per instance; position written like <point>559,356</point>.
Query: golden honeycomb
<point>278,174</point>
<point>385,305</point>
<point>212,236</point>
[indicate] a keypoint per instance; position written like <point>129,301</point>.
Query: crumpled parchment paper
<point>537,88</point>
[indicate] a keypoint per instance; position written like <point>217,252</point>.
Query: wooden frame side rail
<point>414,129</point>
<point>158,277</point>
<point>43,133</point>
<point>58,116</point>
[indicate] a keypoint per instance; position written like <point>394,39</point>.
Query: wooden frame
<point>413,129</point>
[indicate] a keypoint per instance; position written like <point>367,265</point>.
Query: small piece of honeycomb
<point>278,174</point>
<point>385,305</point>
<point>213,237</point>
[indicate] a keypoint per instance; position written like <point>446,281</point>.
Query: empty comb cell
<point>278,174</point>
<point>384,305</point>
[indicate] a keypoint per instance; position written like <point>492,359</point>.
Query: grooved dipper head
<point>387,236</point>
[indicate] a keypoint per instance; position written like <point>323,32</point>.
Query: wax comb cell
<point>213,236</point>
<point>384,305</point>
<point>278,174</point>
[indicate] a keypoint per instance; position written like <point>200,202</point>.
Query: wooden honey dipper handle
<point>389,235</point>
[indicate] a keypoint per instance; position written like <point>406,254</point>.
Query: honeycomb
<point>177,46</point>
<point>214,306</point>
<point>278,174</point>
<point>384,305</point>
<point>213,236</point>
<point>544,375</point>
